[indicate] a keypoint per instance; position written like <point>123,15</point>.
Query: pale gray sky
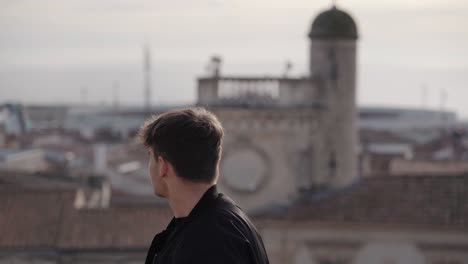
<point>50,49</point>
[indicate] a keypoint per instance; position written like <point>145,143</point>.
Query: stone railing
<point>254,91</point>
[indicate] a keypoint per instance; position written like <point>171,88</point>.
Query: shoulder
<point>223,221</point>
<point>228,217</point>
<point>215,241</point>
<point>220,235</point>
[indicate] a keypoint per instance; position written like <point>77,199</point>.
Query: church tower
<point>333,39</point>
<point>147,77</point>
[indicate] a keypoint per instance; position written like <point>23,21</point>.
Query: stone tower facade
<point>333,39</point>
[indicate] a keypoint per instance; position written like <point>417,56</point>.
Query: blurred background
<point>346,124</point>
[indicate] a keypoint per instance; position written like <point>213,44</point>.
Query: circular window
<point>244,169</point>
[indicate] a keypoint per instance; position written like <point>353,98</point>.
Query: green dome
<point>333,24</point>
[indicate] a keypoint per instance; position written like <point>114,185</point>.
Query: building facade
<point>284,135</point>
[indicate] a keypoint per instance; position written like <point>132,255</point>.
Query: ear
<point>163,166</point>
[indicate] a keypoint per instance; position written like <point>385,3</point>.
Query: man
<point>184,152</point>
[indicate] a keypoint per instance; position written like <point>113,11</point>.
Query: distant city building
<point>285,134</point>
<point>147,77</point>
<point>419,125</point>
<point>13,119</point>
<point>110,124</point>
<point>47,117</point>
<point>398,119</point>
<point>32,160</point>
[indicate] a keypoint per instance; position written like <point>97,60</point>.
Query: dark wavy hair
<point>190,139</point>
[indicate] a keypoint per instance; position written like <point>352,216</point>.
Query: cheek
<point>151,168</point>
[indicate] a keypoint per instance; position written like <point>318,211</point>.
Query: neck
<point>185,196</point>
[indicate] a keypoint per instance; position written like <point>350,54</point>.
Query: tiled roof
<point>24,180</point>
<point>425,201</point>
<point>34,218</point>
<point>116,228</point>
<point>46,218</point>
<point>31,218</point>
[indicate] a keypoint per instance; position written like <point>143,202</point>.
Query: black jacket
<point>216,231</point>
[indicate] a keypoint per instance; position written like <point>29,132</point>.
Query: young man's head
<point>184,145</point>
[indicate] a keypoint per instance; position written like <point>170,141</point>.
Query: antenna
<point>423,96</point>
<point>115,91</point>
<point>287,68</point>
<point>84,95</point>
<point>217,65</point>
<point>443,100</point>
<point>214,66</point>
<point>147,77</point>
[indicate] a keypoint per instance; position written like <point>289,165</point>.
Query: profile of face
<point>157,167</point>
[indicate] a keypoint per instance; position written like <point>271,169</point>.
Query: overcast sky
<point>50,51</point>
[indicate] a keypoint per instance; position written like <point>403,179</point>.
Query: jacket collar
<point>205,201</point>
